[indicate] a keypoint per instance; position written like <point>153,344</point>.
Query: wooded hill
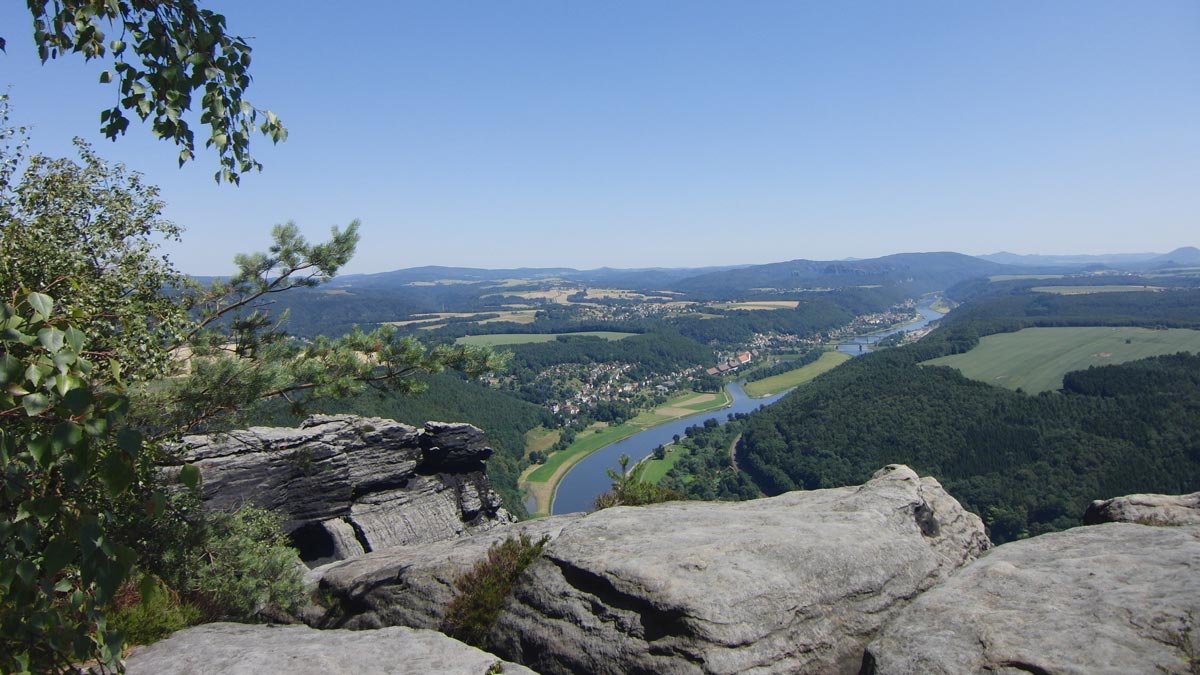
<point>1026,464</point>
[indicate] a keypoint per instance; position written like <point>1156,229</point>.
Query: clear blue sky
<point>630,134</point>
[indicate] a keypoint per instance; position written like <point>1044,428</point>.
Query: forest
<point>1026,464</point>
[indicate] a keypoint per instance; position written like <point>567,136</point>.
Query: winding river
<point>589,478</point>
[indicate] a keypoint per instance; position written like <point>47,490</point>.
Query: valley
<point>608,355</point>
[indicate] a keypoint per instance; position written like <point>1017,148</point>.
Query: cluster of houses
<point>740,359</point>
<point>603,382</point>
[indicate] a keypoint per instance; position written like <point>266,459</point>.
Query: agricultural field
<point>653,470</point>
<point>1035,359</point>
<point>541,439</point>
<point>497,339</point>
<point>784,381</point>
<point>683,405</point>
<point>1084,290</point>
<point>511,315</point>
<point>620,294</point>
<point>1023,277</point>
<point>758,304</point>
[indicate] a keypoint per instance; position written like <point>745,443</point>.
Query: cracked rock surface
<point>347,485</point>
<point>1108,599</point>
<point>410,585</point>
<point>239,649</point>
<point>792,584</point>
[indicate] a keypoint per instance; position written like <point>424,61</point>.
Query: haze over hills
<point>1184,255</point>
<point>920,272</point>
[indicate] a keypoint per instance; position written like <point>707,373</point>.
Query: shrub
<point>628,490</point>
<point>246,568</point>
<point>483,590</point>
<point>144,619</point>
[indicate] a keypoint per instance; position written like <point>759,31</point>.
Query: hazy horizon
<point>681,134</point>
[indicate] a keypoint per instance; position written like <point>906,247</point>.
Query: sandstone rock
<point>239,649</point>
<point>346,485</point>
<point>1162,510</point>
<point>410,585</point>
<point>1111,599</point>
<point>793,584</point>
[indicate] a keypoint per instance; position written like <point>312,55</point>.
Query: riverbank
<point>540,482</point>
<point>776,384</point>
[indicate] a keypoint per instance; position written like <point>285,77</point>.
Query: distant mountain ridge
<point>1182,256</point>
<point>919,271</point>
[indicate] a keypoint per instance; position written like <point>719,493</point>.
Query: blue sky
<point>634,134</point>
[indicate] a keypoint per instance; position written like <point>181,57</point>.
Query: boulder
<point>409,585</point>
<point>1162,510</point>
<point>346,485</point>
<point>792,584</point>
<point>239,649</point>
<point>1113,599</point>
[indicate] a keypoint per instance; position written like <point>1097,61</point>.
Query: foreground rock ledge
<point>796,583</point>
<point>1107,599</point>
<point>346,485</point>
<point>239,649</point>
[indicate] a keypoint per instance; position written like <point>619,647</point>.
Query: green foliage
<point>164,56</point>
<point>483,590</point>
<point>150,617</point>
<point>63,456</point>
<point>86,231</point>
<point>629,490</point>
<point>88,307</point>
<point>246,569</point>
<point>703,470</point>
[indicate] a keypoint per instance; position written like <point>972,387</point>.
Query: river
<point>589,478</point>
<point>862,343</point>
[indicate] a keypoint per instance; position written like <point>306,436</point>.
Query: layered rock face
<point>346,485</point>
<point>238,649</point>
<point>793,584</point>
<point>411,585</point>
<point>1113,599</point>
<point>1162,510</point>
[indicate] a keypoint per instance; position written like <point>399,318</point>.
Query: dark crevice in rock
<point>1025,667</point>
<point>926,519</point>
<point>359,535</point>
<point>656,623</point>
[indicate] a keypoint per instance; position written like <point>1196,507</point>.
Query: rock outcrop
<point>410,585</point>
<point>346,485</point>
<point>238,649</point>
<point>792,584</point>
<point>1161,510</point>
<point>1111,599</point>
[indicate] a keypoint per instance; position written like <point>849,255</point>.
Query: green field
<point>783,382</point>
<point>653,470</point>
<point>585,443</point>
<point>1021,277</point>
<point>1083,290</point>
<point>498,339</point>
<point>1035,359</point>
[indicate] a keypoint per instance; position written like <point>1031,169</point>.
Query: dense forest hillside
<point>1027,464</point>
<point>917,273</point>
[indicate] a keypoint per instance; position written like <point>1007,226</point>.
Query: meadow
<point>758,304</point>
<point>1035,359</point>
<point>497,339</point>
<point>1084,290</point>
<point>784,381</point>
